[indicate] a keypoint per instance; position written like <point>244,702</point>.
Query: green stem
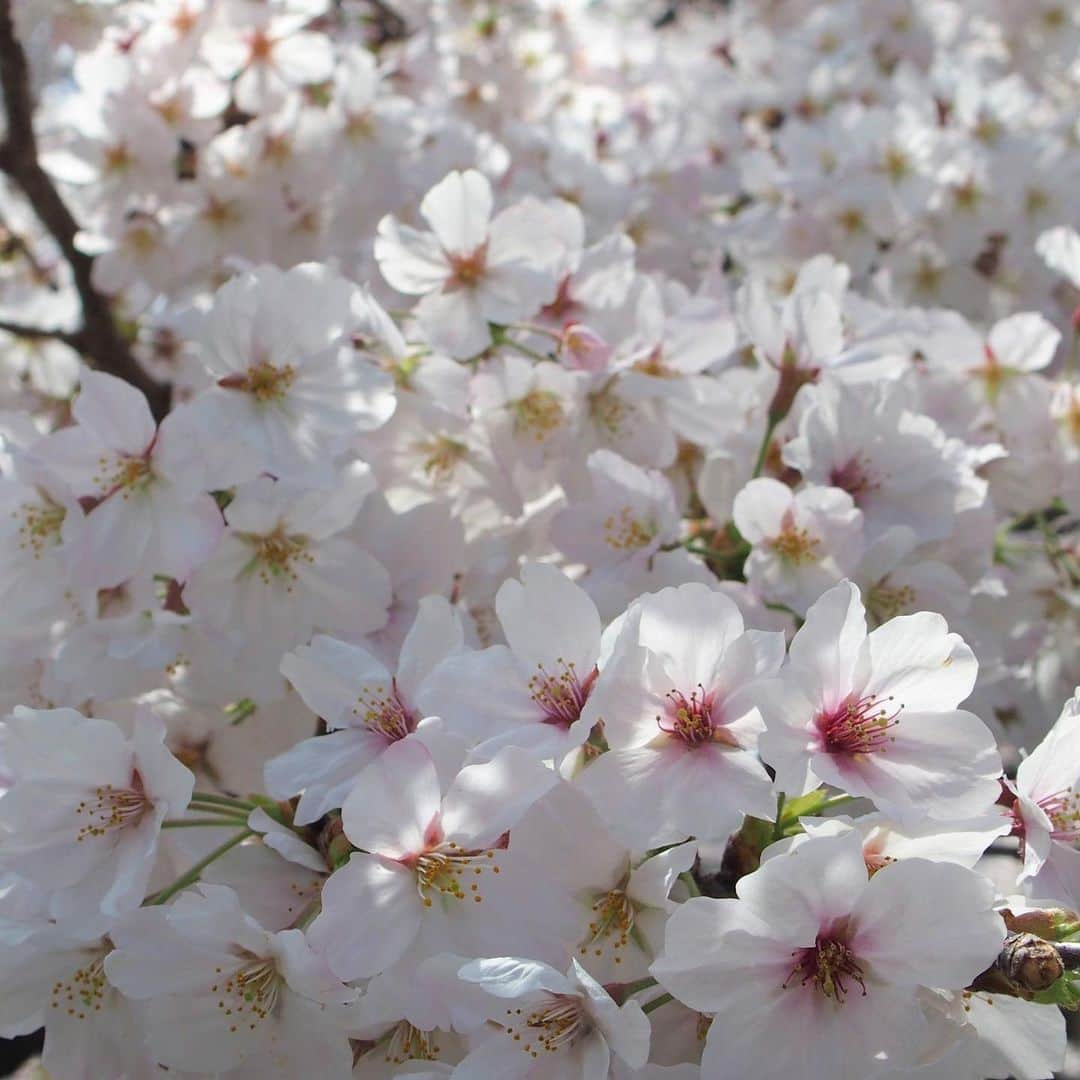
<point>778,827</point>
<point>525,350</point>
<point>222,800</point>
<point>636,987</point>
<point>192,875</point>
<point>835,801</point>
<point>763,450</point>
<point>206,823</point>
<point>656,1002</point>
<point>691,885</point>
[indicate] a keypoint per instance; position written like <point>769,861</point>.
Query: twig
<point>99,337</point>
<point>41,333</point>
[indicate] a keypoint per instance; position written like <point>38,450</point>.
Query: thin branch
<point>99,337</point>
<point>41,333</point>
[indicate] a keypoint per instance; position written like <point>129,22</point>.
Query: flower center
<point>829,965</point>
<point>41,523</point>
<point>275,555</point>
<point>554,1025</point>
<point>612,922</point>
<point>260,46</point>
<point>562,695</point>
<point>85,989</point>
<point>264,381</point>
<point>795,545</point>
<point>1063,810</point>
<point>112,808</point>
<point>854,477</point>
<point>408,1043</point>
<point>537,414</point>
<point>625,532</point>
<point>690,719</point>
<point>441,455</point>
<point>249,993</point>
<point>385,713</point>
<point>446,869</point>
<point>858,725</point>
<point>468,270</point>
<point>885,601</point>
<point>608,410</point>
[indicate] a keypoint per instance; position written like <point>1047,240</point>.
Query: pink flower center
<point>829,966</point>
<point>561,695</point>
<point>691,719</point>
<point>112,808</point>
<point>853,477</point>
<point>1063,810</point>
<point>468,270</point>
<point>385,713</point>
<point>857,725</point>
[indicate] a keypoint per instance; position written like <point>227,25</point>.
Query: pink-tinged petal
<point>455,322</point>
<point>825,655</point>
<point>305,57</point>
<point>759,509</point>
<point>942,765</point>
<point>435,634</point>
<point>322,770</point>
<point>815,885</point>
<point>411,261</point>
<point>458,209</point>
<point>186,534</point>
<point>916,661</point>
<point>1054,765</point>
<point>333,676</point>
<point>509,977</point>
<point>714,950</point>
<point>1024,342</point>
<point>114,412</point>
<point>486,800</point>
<point>929,924</point>
<point>395,802</point>
<point>689,628</point>
<point>549,621</point>
<point>386,893</point>
<point>110,542</point>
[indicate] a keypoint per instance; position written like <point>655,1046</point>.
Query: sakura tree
<point>541,539</point>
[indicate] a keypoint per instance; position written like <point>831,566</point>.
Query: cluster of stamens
<point>887,601</point>
<point>553,1026</point>
<point>408,1043</point>
<point>624,531</point>
<point>562,695</point>
<point>1063,810</point>
<point>689,719</point>
<point>84,991</point>
<point>655,365</point>
<point>441,455</point>
<point>612,922</point>
<point>264,381</point>
<point>858,725</point>
<point>111,808</point>
<point>121,474</point>
<point>41,523</point>
<point>854,477</point>
<point>830,966</point>
<point>538,414</point>
<point>795,545</point>
<point>449,870</point>
<point>383,712</point>
<point>468,270</point>
<point>275,555</point>
<point>608,410</point>
<point>248,994</point>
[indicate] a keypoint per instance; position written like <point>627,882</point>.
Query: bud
<point>1030,962</point>
<point>584,349</point>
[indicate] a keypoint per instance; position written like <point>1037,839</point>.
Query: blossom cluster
<point>563,555</point>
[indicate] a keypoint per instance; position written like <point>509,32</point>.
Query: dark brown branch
<point>99,337</point>
<point>40,333</point>
<point>389,24</point>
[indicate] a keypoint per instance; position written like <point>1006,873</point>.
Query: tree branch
<point>99,337</point>
<point>41,333</point>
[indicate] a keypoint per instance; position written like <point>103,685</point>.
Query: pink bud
<point>584,349</point>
